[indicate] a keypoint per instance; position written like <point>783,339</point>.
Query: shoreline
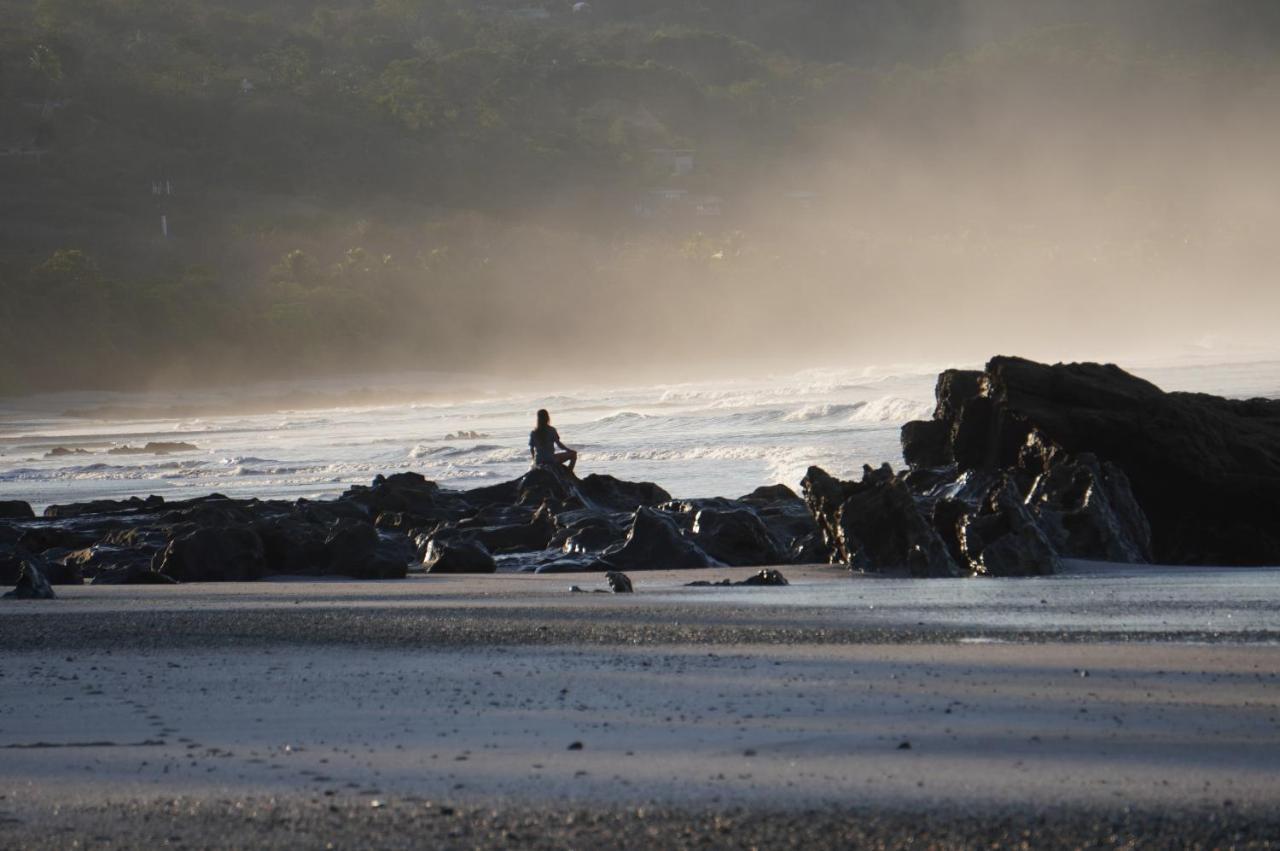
<point>275,714</point>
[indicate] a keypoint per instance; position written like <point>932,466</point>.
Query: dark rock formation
<point>605,493</point>
<point>356,549</point>
<point>1002,538</point>
<point>458,556</point>
<point>1090,443</point>
<point>154,448</point>
<point>876,524</point>
<point>15,509</point>
<point>737,537</point>
<point>654,542</point>
<point>619,583</point>
<point>214,554</point>
<point>31,584</point>
<point>766,578</point>
<point>133,505</point>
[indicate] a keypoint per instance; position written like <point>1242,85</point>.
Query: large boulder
<point>216,554</point>
<point>876,524</point>
<point>355,549</point>
<point>15,509</point>
<point>738,537</point>
<point>1087,510</point>
<point>1003,539</point>
<point>1205,470</point>
<point>609,494</point>
<point>132,505</point>
<point>31,584</point>
<point>655,542</point>
<point>457,555</point>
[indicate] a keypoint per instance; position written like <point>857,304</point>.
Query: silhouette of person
<point>543,441</point>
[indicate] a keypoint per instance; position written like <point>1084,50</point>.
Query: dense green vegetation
<point>358,184</point>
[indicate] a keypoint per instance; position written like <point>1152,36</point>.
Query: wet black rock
<point>356,549</point>
<point>766,579</point>
<point>215,554</point>
<point>619,583</point>
<point>133,505</point>
<point>1204,471</point>
<point>1003,539</point>
<point>606,493</point>
<point>736,537</point>
<point>31,584</point>
<point>16,509</point>
<point>1087,509</point>
<point>876,524</point>
<point>655,542</point>
<point>457,556</point>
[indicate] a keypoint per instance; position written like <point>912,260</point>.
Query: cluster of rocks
<point>545,521</point>
<point>151,448</point>
<point>1024,464</point>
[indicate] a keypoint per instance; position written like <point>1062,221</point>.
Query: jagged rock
<point>619,583</point>
<point>91,561</point>
<point>1204,470</point>
<point>40,538</point>
<point>738,538</point>
<point>217,554</point>
<point>876,524</point>
<point>457,556</point>
<point>1002,539</point>
<point>31,584</point>
<point>16,509</point>
<point>766,578</point>
<point>654,542</point>
<point>291,545</point>
<point>591,533</point>
<point>407,493</point>
<point>520,538</point>
<point>355,549</point>
<point>1087,509</point>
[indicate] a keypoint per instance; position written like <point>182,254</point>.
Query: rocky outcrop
<point>31,584</point>
<point>1100,448</point>
<point>214,554</point>
<point>457,556</point>
<point>655,542</point>
<point>15,509</point>
<point>1024,464</point>
<point>877,523</point>
<point>736,536</point>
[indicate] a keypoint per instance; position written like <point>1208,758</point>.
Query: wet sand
<point>447,711</point>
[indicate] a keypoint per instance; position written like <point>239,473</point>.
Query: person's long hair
<point>544,424</point>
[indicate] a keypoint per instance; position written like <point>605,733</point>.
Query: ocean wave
<point>893,409</point>
<point>421,451</point>
<point>822,411</point>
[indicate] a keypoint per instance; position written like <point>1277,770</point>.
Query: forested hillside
<point>199,190</point>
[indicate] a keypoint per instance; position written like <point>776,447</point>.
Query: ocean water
<point>315,439</point>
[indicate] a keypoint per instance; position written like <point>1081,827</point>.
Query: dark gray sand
<point>1095,709</point>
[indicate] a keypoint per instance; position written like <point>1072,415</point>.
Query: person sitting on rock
<point>542,445</point>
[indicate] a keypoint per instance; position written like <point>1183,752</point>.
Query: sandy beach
<point>832,711</point>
